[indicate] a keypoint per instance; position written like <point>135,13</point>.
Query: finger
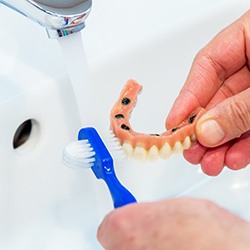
<point>220,59</point>
<point>122,224</point>
<point>195,153</point>
<point>235,84</point>
<point>238,155</point>
<point>213,160</point>
<point>227,120</point>
<point>114,224</point>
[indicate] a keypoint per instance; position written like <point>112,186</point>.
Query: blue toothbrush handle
<point>120,195</point>
<point>103,168</point>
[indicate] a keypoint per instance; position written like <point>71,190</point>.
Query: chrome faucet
<point>59,17</point>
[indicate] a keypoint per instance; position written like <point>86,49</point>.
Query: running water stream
<point>78,71</point>
<point>79,74</point>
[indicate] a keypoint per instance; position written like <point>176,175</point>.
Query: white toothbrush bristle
<point>113,145</point>
<point>79,154</point>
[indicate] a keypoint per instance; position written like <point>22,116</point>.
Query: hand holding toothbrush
<point>219,80</point>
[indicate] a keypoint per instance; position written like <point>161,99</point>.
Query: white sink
<point>160,62</point>
<point>43,204</point>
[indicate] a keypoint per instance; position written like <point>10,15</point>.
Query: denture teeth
<point>178,148</point>
<point>128,149</point>
<point>140,153</point>
<point>153,153</point>
<point>187,143</point>
<point>165,151</point>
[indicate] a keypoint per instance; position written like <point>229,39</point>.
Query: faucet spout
<point>59,17</point>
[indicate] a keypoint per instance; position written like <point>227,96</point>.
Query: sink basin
<point>160,61</point>
<point>43,204</point>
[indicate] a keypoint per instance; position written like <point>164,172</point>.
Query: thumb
<point>227,120</point>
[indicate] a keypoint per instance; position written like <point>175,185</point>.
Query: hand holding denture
<point>219,81</point>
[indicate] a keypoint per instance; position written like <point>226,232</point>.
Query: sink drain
<point>25,136</point>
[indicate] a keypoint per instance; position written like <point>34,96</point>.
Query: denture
<point>142,146</point>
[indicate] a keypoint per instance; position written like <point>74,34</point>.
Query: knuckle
<point>211,68</point>
<point>240,114</point>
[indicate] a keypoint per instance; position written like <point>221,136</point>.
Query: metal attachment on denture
<point>119,116</point>
<point>191,118</point>
<point>125,127</point>
<point>125,101</point>
<point>174,129</point>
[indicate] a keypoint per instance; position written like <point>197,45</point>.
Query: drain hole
<point>23,133</point>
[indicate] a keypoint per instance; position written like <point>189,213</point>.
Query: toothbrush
<point>90,152</point>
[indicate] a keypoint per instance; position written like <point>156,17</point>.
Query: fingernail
<point>211,132</point>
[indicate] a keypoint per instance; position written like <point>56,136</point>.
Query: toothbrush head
<point>103,161</point>
<point>78,154</point>
<point>90,152</point>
